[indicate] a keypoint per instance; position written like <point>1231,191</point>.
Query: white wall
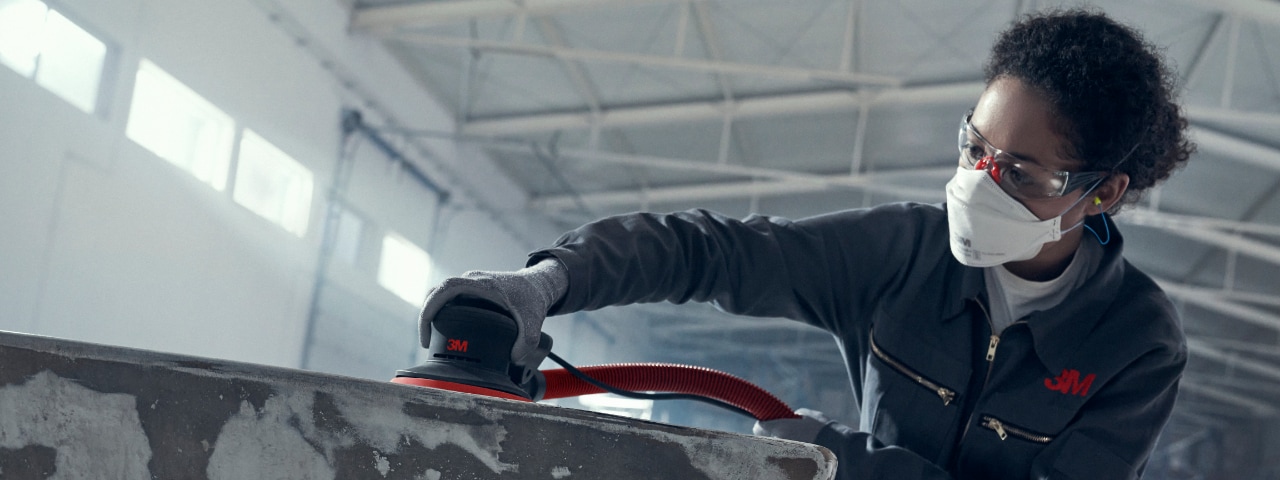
<point>102,241</point>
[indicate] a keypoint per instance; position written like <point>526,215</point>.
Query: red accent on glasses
<point>989,163</point>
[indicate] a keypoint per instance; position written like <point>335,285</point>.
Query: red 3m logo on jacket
<point>1070,383</point>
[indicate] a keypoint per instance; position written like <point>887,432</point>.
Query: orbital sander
<point>470,352</point>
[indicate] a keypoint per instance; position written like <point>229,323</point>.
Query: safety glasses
<point>1017,177</point>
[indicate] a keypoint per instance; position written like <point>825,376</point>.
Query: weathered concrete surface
<point>77,410</point>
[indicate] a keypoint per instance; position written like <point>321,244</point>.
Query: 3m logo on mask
<point>1069,383</point>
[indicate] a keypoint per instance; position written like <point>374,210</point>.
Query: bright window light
<point>42,44</point>
<point>180,126</point>
<point>273,184</point>
<point>71,62</point>
<point>404,269</point>
<point>21,31</point>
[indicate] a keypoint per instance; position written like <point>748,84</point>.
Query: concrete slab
<point>78,410</point>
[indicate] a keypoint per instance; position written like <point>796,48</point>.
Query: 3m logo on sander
<point>456,345</point>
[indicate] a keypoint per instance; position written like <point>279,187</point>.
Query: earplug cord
<point>1098,202</point>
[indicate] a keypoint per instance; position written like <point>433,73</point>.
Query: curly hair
<point>1109,88</point>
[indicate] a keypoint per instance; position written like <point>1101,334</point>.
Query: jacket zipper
<point>992,344</point>
<point>1004,430</point>
<point>945,393</point>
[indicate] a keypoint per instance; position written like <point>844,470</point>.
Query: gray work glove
<point>803,429</point>
<point>527,294</point>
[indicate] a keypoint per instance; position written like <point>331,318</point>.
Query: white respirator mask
<point>989,228</point>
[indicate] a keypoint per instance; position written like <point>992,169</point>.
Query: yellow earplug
<point>1097,200</point>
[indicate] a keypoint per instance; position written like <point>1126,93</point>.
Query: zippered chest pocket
<point>1005,431</point>
<point>947,395</point>
<point>911,398</point>
<point>995,447</point>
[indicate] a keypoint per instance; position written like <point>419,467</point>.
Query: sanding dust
<point>727,456</point>
<point>253,445</point>
<point>282,441</point>
<point>92,431</point>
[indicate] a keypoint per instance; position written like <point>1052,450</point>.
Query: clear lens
<point>1018,178</point>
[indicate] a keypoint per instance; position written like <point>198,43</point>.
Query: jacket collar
<point>1059,332</point>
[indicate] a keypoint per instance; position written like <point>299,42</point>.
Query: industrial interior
<point>280,182</point>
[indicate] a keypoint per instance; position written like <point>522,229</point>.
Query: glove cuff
<point>812,424</point>
<point>549,278</point>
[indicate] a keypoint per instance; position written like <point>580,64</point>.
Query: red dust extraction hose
<point>665,377</point>
<point>470,346</point>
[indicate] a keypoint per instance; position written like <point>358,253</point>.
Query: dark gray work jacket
<point>1079,391</point>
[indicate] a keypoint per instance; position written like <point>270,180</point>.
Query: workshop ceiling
<point>795,108</point>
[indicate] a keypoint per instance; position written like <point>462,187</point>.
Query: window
<point>21,31</point>
<point>273,184</point>
<point>405,269</point>
<point>180,126</point>
<point>41,44</point>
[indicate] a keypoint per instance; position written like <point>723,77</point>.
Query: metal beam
<point>1258,408</point>
<point>773,105</point>
<point>1214,231</point>
<point>1233,53</point>
<point>1265,120</point>
<point>730,190</point>
<point>1217,232</point>
<point>676,63</point>
<point>1209,300</point>
<point>684,321</point>
<point>1256,348</point>
<point>745,337</point>
<point>682,29</point>
<point>1246,151</point>
<point>1262,11</point>
<point>711,40</point>
<point>1185,415</point>
<point>1204,350</point>
<point>426,13</point>
<point>1165,220</point>
<point>1191,74</point>
<point>785,182</point>
<point>737,340</point>
<point>849,101</point>
<point>812,359</point>
<point>851,32</point>
<point>688,165</point>
<point>1213,409</point>
<point>1231,242</point>
<point>1240,383</point>
<point>572,69</point>
<point>725,322</point>
<point>1270,300</point>
<point>1205,229</point>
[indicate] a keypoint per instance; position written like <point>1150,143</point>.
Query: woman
<point>1000,335</point>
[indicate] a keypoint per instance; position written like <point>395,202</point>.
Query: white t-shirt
<point>1013,297</point>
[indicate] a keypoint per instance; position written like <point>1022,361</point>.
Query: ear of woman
<point>1110,193</point>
